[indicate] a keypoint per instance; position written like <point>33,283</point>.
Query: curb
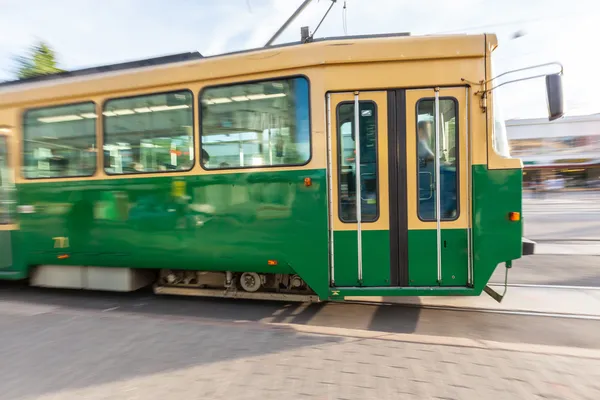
<point>445,341</point>
<point>24,309</point>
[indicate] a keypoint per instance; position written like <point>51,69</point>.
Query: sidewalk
<point>150,359</point>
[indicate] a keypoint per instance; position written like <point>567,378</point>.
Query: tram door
<point>7,205</point>
<point>438,187</point>
<point>383,188</point>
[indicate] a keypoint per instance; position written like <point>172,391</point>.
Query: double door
<point>398,173</point>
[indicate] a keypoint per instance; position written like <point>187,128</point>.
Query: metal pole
<point>241,146</point>
<point>288,22</point>
<point>358,180</point>
<point>270,148</point>
<point>270,124</point>
<point>469,196</point>
<point>323,19</point>
<point>330,181</point>
<point>437,185</point>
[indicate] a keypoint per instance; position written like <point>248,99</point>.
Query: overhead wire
<point>508,23</point>
<point>345,19</point>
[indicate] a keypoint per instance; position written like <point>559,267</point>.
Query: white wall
<point>542,128</point>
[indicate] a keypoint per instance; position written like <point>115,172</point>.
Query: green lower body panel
<point>11,256</point>
<point>375,258</point>
<point>422,262</point>
<point>422,257</point>
<point>244,222</point>
<point>496,239</point>
<point>6,250</point>
<point>268,222</point>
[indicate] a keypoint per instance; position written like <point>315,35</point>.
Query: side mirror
<point>554,93</point>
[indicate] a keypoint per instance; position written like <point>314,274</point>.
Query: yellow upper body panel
<point>286,58</point>
<point>345,65</point>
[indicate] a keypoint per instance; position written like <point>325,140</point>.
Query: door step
<point>493,294</point>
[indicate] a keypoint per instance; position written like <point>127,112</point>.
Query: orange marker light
<point>307,182</point>
<point>514,216</point>
<point>63,256</point>
<point>272,262</point>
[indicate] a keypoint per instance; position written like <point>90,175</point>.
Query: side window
<point>447,160</point>
<point>256,124</point>
<point>60,141</point>
<point>4,166</point>
<point>149,133</point>
<point>7,186</point>
<point>347,161</point>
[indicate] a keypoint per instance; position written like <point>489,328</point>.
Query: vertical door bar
<point>469,192</point>
<point>437,185</point>
<point>270,140</point>
<point>358,181</point>
<point>330,185</point>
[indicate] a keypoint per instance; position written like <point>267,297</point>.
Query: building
<point>568,148</point>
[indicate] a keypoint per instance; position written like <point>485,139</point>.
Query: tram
<point>355,166</point>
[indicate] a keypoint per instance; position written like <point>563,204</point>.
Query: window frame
<point>237,83</point>
<point>193,136</point>
<point>456,154</point>
<point>24,136</point>
<point>339,160</point>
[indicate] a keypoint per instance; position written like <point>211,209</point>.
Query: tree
<point>41,60</point>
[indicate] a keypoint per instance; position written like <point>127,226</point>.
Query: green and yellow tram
<point>360,166</point>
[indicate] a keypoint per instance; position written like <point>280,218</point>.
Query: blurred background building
<point>564,154</point>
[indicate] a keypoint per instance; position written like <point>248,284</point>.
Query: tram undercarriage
<point>241,285</point>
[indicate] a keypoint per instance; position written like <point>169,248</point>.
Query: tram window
<point>149,133</point>
<point>60,141</point>
<point>447,159</point>
<point>347,162</point>
<point>259,124</point>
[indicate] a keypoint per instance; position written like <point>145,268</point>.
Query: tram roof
<point>350,49</point>
<point>169,59</point>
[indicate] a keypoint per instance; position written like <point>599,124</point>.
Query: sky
<point>86,33</point>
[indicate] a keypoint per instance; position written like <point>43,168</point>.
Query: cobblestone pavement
<point>83,354</point>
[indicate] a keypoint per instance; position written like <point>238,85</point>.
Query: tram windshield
<point>499,135</point>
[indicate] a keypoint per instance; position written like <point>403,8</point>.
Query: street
<point>553,269</point>
<point>567,216</point>
<point>566,227</point>
<point>71,345</point>
<point>61,344</point>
